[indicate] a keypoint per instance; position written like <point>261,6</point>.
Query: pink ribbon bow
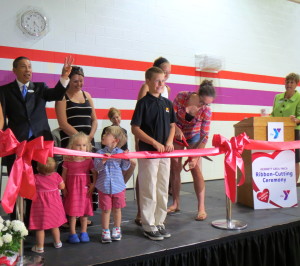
<point>233,150</point>
<point>21,179</point>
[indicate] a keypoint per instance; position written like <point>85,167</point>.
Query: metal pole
<point>20,216</point>
<point>228,212</point>
<point>228,223</point>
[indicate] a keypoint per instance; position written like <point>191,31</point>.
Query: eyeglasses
<point>203,103</point>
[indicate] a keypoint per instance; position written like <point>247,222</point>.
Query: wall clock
<point>33,23</point>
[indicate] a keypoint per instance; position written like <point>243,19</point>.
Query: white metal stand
<point>228,223</point>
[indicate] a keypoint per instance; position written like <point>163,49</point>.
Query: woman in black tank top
<point>76,111</point>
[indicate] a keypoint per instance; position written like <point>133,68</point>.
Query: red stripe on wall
<point>217,116</point>
<point>127,115</point>
<point>105,62</point>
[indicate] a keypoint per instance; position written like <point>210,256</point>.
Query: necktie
<point>24,91</point>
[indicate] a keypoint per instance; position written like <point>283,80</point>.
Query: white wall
<point>251,36</point>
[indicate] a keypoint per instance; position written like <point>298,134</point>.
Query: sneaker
<point>57,245</point>
<point>105,236</point>
<point>84,237</point>
<point>73,239</point>
<point>161,229</point>
<point>153,235</point>
<point>116,233</point>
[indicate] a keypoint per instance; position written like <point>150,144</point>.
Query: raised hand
<point>69,60</point>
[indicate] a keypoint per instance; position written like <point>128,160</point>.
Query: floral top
<point>199,124</point>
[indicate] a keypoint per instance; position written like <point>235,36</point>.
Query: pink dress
<point>77,201</point>
<point>47,210</point>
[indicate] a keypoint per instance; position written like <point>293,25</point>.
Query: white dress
<point>165,93</point>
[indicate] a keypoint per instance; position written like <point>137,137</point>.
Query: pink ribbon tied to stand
<point>21,179</point>
<point>233,150</point>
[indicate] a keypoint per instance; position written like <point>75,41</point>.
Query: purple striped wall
<point>128,89</point>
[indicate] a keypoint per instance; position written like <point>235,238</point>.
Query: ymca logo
<point>277,131</point>
<point>286,194</point>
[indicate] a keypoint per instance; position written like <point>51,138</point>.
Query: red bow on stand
<point>233,150</point>
<point>21,179</point>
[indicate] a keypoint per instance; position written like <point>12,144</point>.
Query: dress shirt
<point>110,177</point>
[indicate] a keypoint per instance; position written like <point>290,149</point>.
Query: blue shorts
<point>195,139</point>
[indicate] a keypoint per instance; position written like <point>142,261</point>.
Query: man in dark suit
<point>24,102</point>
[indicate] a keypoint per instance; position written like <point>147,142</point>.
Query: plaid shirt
<point>199,124</point>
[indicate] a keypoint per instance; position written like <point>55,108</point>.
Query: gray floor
<point>185,230</point>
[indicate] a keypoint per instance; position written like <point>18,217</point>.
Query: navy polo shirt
<point>153,115</point>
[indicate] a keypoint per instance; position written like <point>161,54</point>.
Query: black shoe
<point>163,232</point>
<point>153,235</point>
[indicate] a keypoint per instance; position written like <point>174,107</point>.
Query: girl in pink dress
<point>47,211</point>
<point>79,189</point>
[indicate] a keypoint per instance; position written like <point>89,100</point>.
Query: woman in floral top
<point>193,123</point>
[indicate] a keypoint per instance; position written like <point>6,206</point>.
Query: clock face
<point>33,23</point>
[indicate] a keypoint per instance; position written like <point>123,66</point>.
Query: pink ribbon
<point>21,179</point>
<point>270,145</point>
<point>141,154</point>
<point>233,159</point>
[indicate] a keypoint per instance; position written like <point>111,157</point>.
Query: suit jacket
<point>23,114</point>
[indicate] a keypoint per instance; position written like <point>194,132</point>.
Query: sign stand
<point>228,223</point>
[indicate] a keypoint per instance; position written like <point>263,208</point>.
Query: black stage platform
<point>271,238</point>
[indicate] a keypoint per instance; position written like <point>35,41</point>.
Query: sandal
<point>172,210</point>
<point>57,245</point>
<point>201,216</point>
<point>138,221</point>
<point>37,250</point>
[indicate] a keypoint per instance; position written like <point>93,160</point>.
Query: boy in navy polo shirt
<point>153,123</point>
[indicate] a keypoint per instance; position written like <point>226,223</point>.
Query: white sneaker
<point>105,236</point>
<point>116,233</point>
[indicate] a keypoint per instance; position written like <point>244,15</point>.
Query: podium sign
<point>257,128</point>
<point>274,183</point>
<point>275,131</point>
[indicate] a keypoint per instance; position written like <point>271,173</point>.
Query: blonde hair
<point>112,112</point>
<point>293,77</point>
<point>117,133</point>
<point>77,136</point>
<point>73,140</point>
<point>47,168</point>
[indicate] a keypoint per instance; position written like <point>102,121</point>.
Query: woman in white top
<point>165,65</point>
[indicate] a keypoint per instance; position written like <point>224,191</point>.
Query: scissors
<point>184,143</point>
